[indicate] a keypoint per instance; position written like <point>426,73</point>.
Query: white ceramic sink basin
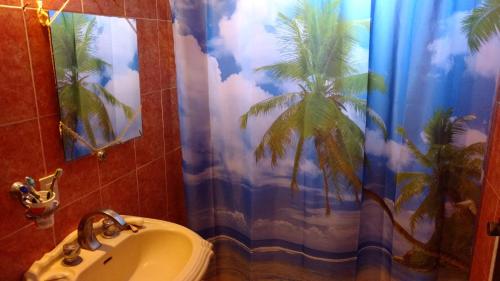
<point>160,251</point>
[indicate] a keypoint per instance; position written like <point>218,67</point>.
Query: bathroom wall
<point>490,205</point>
<point>141,177</point>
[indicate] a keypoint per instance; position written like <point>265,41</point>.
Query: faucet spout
<point>86,235</point>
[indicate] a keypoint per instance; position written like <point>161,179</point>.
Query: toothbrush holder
<point>43,212</point>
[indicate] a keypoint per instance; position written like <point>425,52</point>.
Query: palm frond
<point>268,105</point>
<point>429,207</point>
<point>111,99</point>
<point>414,187</point>
<point>279,134</point>
<point>422,158</point>
<point>337,162</point>
<point>361,83</point>
<point>92,107</point>
<point>440,129</point>
<point>361,107</point>
<point>482,24</point>
<point>285,70</point>
<point>320,114</point>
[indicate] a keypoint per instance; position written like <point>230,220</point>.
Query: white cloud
<point>253,19</point>
<point>117,42</point>
<point>199,78</point>
<point>453,43</point>
<point>250,20</point>
<point>398,155</point>
<point>486,62</point>
<point>125,87</point>
<point>234,219</point>
<point>360,58</point>
<point>471,136</point>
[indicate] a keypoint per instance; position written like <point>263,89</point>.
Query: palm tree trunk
<point>296,164</point>
<point>444,257</point>
<point>326,189</point>
<point>434,243</point>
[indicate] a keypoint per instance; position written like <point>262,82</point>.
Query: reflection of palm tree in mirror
<point>482,24</point>
<point>451,174</point>
<point>317,44</point>
<point>82,102</point>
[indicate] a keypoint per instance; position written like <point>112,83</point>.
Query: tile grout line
<point>170,88</point>
<point>157,15</point>
<point>44,160</point>
<point>86,195</point>
<point>149,93</point>
<point>487,185</point>
<point>100,187</point>
<point>164,154</point>
<point>139,205</point>
<point>174,150</point>
<point>162,108</point>
<point>17,231</point>
<point>34,89</point>
<point>111,15</point>
<point>7,124</point>
<point>6,6</point>
<point>493,189</point>
<point>149,162</point>
<point>117,179</point>
<point>99,182</point>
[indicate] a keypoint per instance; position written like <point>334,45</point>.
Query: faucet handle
<point>109,228</point>
<point>71,252</point>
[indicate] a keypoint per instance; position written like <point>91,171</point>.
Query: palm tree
<point>316,47</point>
<point>482,24</point>
<point>451,174</point>
<point>81,102</point>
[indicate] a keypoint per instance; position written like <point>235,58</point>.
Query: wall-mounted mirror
<point>96,63</point>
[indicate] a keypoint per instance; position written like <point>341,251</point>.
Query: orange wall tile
<point>141,177</point>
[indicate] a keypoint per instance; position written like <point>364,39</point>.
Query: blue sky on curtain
<point>275,220</point>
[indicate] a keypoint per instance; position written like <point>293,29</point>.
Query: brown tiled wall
<point>141,177</point>
<point>490,205</point>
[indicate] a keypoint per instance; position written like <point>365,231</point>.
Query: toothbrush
<point>30,187</point>
<point>56,176</point>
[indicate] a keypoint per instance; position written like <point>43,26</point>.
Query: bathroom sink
<point>158,251</point>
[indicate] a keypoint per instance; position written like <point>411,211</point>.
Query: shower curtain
<point>333,139</point>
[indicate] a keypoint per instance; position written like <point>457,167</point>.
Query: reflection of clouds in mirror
<point>116,42</point>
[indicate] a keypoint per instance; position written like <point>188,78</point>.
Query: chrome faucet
<point>86,235</point>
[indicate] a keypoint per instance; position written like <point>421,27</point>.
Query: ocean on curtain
<point>334,140</point>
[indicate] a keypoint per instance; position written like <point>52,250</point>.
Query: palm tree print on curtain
<point>83,79</point>
<point>317,47</point>
<point>451,175</point>
<point>317,136</point>
<point>318,112</point>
